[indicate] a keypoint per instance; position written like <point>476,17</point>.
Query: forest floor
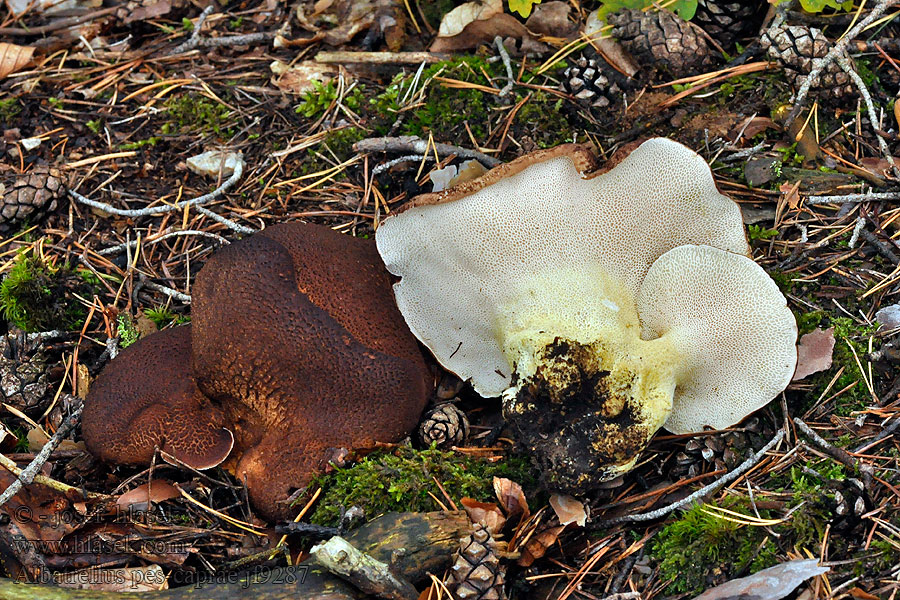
<point>112,107</point>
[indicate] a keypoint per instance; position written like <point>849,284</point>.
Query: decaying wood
<point>412,544</point>
<point>372,576</point>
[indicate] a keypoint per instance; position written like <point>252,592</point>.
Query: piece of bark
<point>371,576</point>
<point>413,544</point>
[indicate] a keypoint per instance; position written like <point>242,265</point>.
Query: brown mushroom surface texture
<point>297,337</point>
<point>594,301</point>
<point>147,398</point>
<point>295,347</point>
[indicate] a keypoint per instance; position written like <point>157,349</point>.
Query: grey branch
<point>174,294</point>
<point>838,454</point>
<point>371,576</point>
<point>839,47</point>
<point>166,208</point>
<point>415,144</point>
<point>28,473</point>
<point>843,198</point>
<point>192,42</point>
<point>699,494</point>
<point>844,62</point>
<point>504,56</point>
<point>120,247</point>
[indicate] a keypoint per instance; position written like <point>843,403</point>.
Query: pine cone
<point>30,197</point>
<point>592,81</point>
<point>728,21</point>
<point>476,573</point>
<point>662,37</point>
<point>794,47</point>
<point>446,425</point>
<point>722,451</point>
<point>23,372</point>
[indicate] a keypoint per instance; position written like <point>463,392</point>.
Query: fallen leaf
<point>552,18</point>
<point>755,126</point>
<point>455,21</point>
<point>889,316</point>
<point>512,498</point>
<point>861,594</point>
<point>486,513</point>
<point>146,11</point>
<point>538,544</point>
<point>13,58</point>
<point>568,509</point>
<point>212,162</point>
<point>348,18</point>
<point>878,165</point>
<point>299,78</point>
<point>814,353</point>
<point>773,583</point>
<point>140,497</point>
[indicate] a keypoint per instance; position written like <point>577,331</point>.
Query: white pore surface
<point>732,326</point>
<point>466,264</point>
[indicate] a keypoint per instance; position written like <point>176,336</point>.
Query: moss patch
<point>700,549</point>
<point>402,479</point>
<point>37,296</point>
<point>195,112</point>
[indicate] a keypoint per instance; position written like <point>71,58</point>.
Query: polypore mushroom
<point>296,346</point>
<point>594,302</point>
<point>147,398</point>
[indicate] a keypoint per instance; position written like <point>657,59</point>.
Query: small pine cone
<point>728,21</point>
<point>445,425</point>
<point>476,573</point>
<point>794,47</point>
<point>717,452</point>
<point>23,372</point>
<point>662,37</point>
<point>593,82</point>
<point>29,198</point>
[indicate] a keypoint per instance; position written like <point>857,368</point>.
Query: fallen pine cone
<point>477,573</point>
<point>30,198</point>
<point>795,47</point>
<point>662,37</point>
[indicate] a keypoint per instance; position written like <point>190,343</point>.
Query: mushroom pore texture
<point>295,346</point>
<point>594,302</point>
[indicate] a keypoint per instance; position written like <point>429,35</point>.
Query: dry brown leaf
<point>299,78</point>
<point>552,18</point>
<point>537,544</point>
<point>773,583</point>
<point>512,498</point>
<point>878,165</point>
<point>158,490</point>
<point>13,58</point>
<point>814,352</point>
<point>455,21</point>
<point>146,11</point>
<point>568,509</point>
<point>486,513</point>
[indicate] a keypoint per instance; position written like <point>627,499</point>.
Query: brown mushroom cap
<point>297,337</point>
<point>147,398</point>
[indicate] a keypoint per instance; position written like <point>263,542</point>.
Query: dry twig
<point>412,143</point>
<point>699,494</point>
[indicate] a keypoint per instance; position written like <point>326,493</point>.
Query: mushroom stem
<point>588,393</point>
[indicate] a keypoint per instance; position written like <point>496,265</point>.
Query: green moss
<point>755,232</point>
<point>126,330</point>
<point>444,109</point>
<point>36,296</point>
<point>784,281</point>
<point>195,112</point>
<point>151,141</point>
<point>401,480</point>
<point>544,120</point>
<point>806,322</point>
<point>162,316</point>
<point>9,109</point>
<point>700,549</point>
